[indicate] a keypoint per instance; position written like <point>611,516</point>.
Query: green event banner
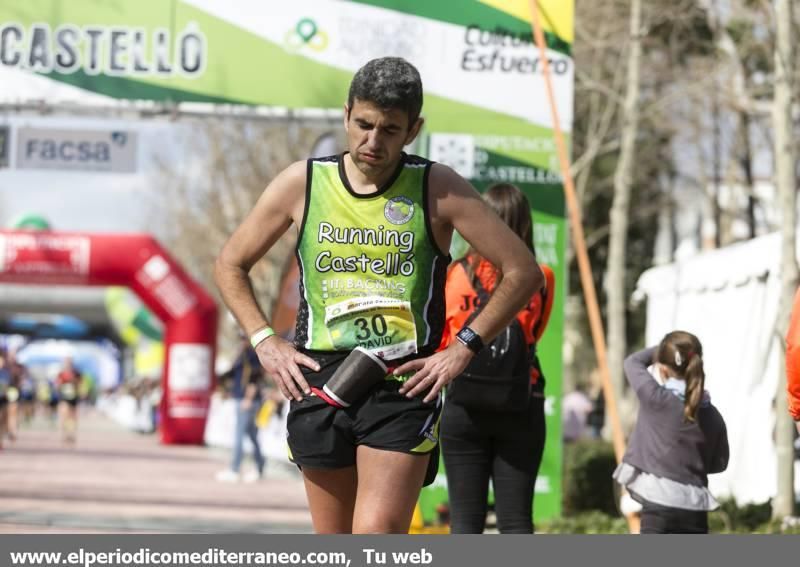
<point>478,60</point>
<point>486,108</point>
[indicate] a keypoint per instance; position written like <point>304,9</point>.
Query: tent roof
<point>732,265</point>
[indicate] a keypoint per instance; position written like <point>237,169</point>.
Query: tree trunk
<point>623,178</point>
<point>746,161</point>
<point>783,505</point>
<point>716,162</point>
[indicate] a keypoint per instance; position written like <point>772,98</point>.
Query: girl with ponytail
<point>679,438</point>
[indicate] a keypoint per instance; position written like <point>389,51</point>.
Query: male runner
<point>374,229</point>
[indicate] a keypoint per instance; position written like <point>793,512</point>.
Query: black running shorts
<point>323,436</point>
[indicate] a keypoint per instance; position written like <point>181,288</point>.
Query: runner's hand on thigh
<point>281,361</point>
<point>434,372</point>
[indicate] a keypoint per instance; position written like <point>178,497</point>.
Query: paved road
<point>117,481</point>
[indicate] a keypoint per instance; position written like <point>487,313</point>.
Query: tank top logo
<point>399,210</point>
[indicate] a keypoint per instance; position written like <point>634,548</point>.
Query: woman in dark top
<point>479,445</point>
<point>679,439</point>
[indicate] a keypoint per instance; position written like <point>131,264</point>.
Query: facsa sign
<point>78,150</point>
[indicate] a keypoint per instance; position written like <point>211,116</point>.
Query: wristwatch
<point>470,339</point>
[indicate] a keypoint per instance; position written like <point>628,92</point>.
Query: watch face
<point>470,338</point>
<point>467,335</point>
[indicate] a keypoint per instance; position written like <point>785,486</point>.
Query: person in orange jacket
<point>793,361</point>
<point>479,443</point>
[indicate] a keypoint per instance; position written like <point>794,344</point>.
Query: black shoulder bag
<point>498,378</point>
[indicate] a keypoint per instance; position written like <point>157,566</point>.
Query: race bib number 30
<point>381,325</point>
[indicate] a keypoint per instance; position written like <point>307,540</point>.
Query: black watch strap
<point>470,339</point>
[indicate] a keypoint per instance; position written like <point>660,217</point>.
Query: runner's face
<point>376,137</point>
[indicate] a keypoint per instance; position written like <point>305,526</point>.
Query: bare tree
<point>598,83</point>
<point>672,36</point>
<point>785,181</point>
<point>618,235</point>
<point>206,195</point>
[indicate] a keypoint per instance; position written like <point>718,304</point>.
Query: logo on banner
<point>84,150</point>
<point>189,374</point>
<point>456,151</point>
<point>189,367</point>
<point>306,34</point>
<point>119,138</point>
<point>173,294</point>
<point>110,50</point>
<point>43,257</point>
<point>501,50</point>
<point>462,153</point>
<point>400,35</point>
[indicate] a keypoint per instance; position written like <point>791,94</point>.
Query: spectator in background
<point>575,409</point>
<point>247,377</point>
<point>27,395</point>
<point>154,394</point>
<point>47,398</point>
<point>17,372</point>
<point>679,438</point>
<point>5,384</point>
<point>596,419</point>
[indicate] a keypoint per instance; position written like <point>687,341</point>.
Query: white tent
<point>729,298</point>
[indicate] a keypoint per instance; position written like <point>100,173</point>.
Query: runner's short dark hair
<point>389,83</point>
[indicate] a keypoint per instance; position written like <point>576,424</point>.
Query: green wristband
<point>260,336</point>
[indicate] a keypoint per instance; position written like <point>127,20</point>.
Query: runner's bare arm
<point>456,204</point>
<point>280,205</point>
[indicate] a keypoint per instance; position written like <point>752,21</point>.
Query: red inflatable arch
<point>139,262</point>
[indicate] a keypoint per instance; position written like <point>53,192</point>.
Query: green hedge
<point>719,522</point>
<point>728,519</point>
<point>585,523</point>
<point>587,481</point>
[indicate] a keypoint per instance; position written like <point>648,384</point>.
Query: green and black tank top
<point>371,273</point>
